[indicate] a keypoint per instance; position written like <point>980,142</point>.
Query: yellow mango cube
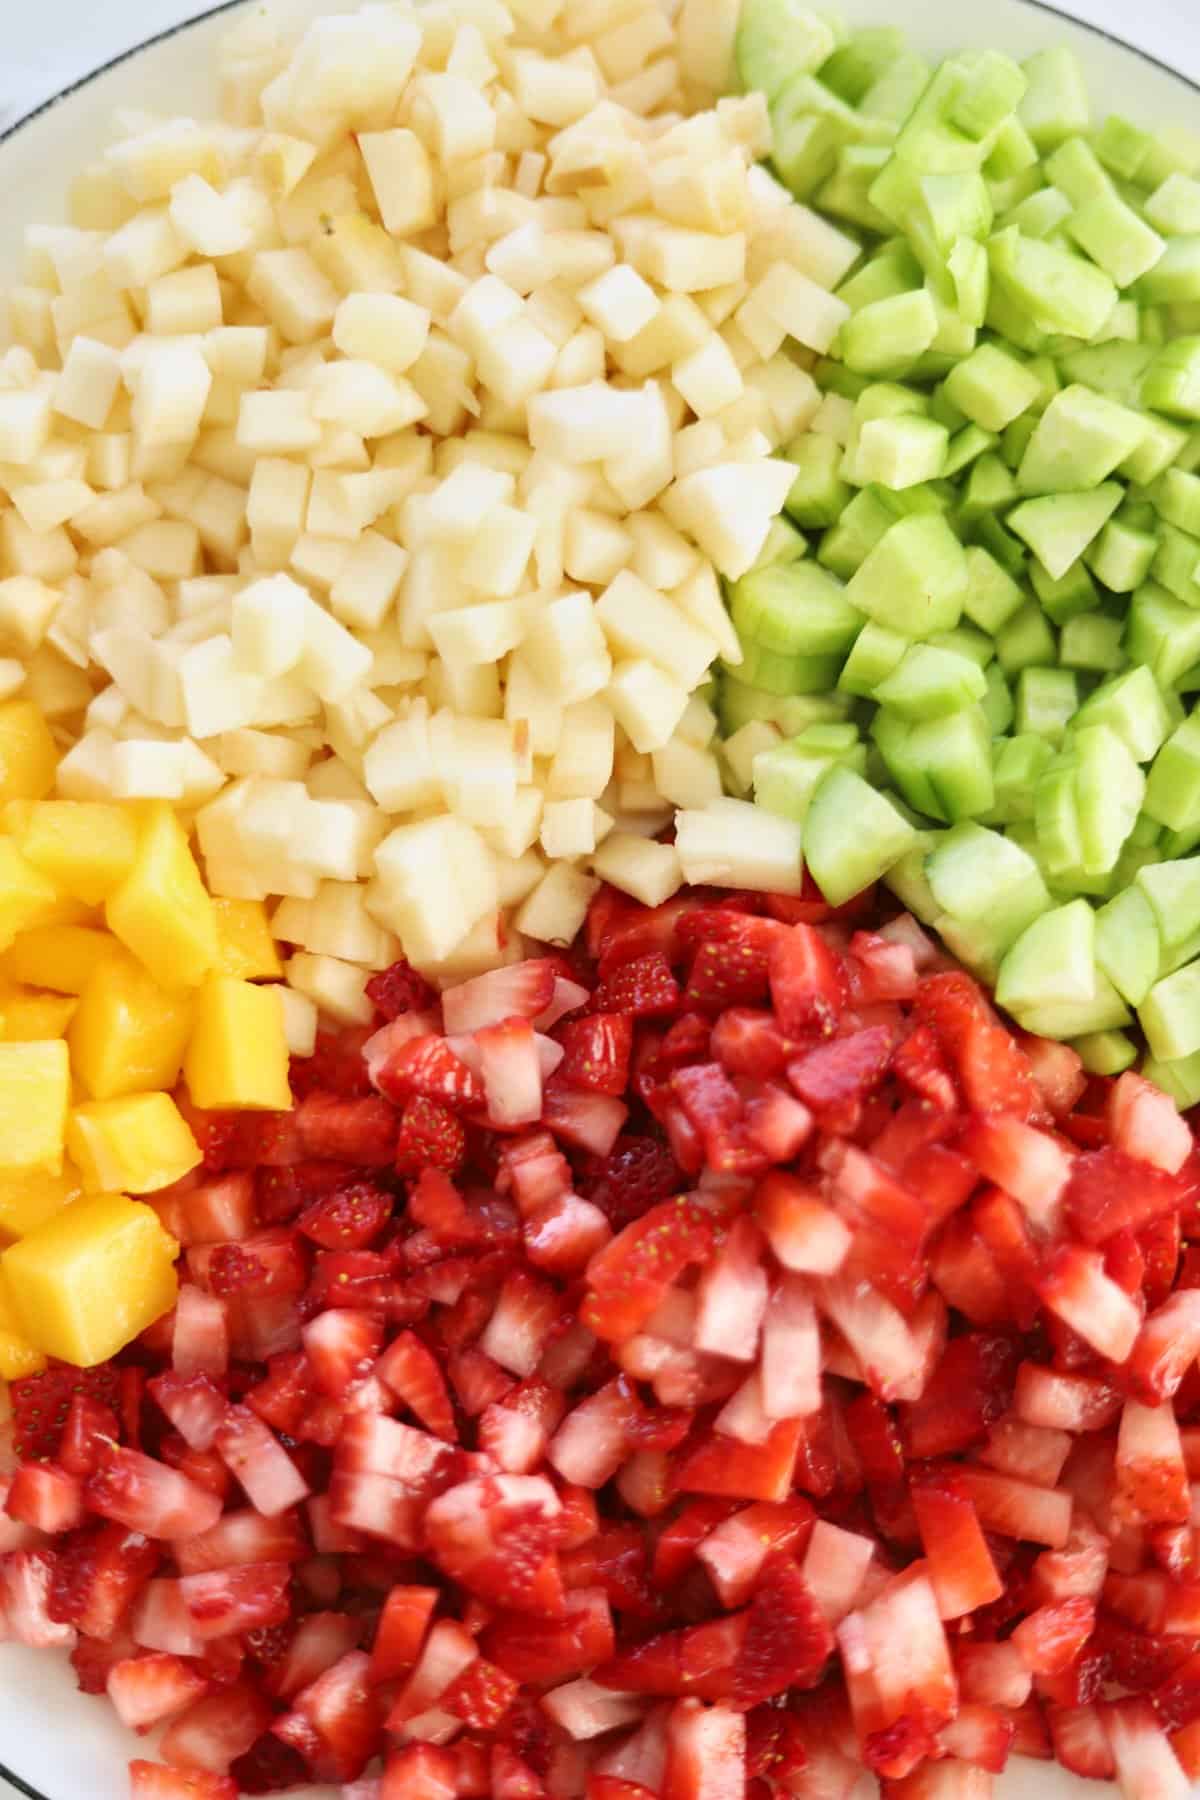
<point>238,1055</point>
<point>35,1092</point>
<point>86,847</point>
<point>128,1035</point>
<point>26,897</point>
<point>28,1200</point>
<point>18,1357</point>
<point>161,910</point>
<point>133,1145</point>
<point>247,948</point>
<point>28,753</point>
<point>89,1281</point>
<point>32,1018</point>
<point>62,958</point>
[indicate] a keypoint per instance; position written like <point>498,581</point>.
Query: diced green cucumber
<point>854,67</point>
<point>1117,240</point>
<point>1046,702</point>
<point>997,703</point>
<point>1172,382</point>
<point>778,40</point>
<point>966,640</point>
<point>1106,1052</point>
<point>876,653</point>
<point>1176,274</point>
<point>852,835</point>
<point>1180,1079</point>
<point>992,595</point>
<point>1056,818</point>
<point>848,543</point>
<point>1173,788</point>
<point>1078,442</point>
<point>1176,495</point>
<point>1176,561</point>
<point>915,578</point>
<point>892,736</point>
<point>991,387</point>
<point>1115,368</point>
<point>1174,206</point>
<point>1039,215</point>
<point>1051,963</point>
<point>1122,146</point>
<point>1133,705</point>
<point>891,271</point>
<point>897,90</point>
<point>1075,168</point>
<point>887,336</point>
<point>787,775</point>
<point>1170,1015</point>
<point>1121,557</point>
<point>788,672</point>
<point>1055,105</point>
<point>901,452</point>
<point>794,609</point>
<point>1026,640</point>
<point>818,496</point>
<point>1072,594</point>
<point>1013,151</point>
<point>1017,767</point>
<point>1092,642</point>
<point>1110,787</point>
<point>783,544</point>
<point>1163,633</point>
<point>1056,289</point>
<point>955,754</point>
<point>1173,890</point>
<point>965,446</point>
<point>990,489</point>
<point>739,704</point>
<point>1059,527</point>
<point>930,683</point>
<point>977,875</point>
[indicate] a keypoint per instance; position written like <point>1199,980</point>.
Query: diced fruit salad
<point>539,551</point>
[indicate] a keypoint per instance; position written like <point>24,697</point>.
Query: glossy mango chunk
<point>27,898</point>
<point>86,847</point>
<point>35,1091</point>
<point>28,753</point>
<point>238,1054</point>
<point>161,910</point>
<point>62,958</point>
<point>128,1035</point>
<point>132,1145</point>
<point>28,1200</point>
<point>31,1018</point>
<point>18,1357</point>
<point>88,1282</point>
<point>247,948</point>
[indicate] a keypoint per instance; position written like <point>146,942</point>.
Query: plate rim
<point>8,1775</point>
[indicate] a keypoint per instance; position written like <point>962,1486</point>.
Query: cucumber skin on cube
<point>1170,1015</point>
<point>1055,105</point>
<point>1163,633</point>
<point>1128,945</point>
<point>1046,702</point>
<point>1122,557</point>
<point>847,544</point>
<point>787,776</point>
<point>875,654</point>
<point>1052,960</point>
<point>1056,289</point>
<point>978,876</point>
<point>1110,788</point>
<point>818,496</point>
<point>777,40</point>
<point>901,453</point>
<point>887,336</point>
<point>852,835</point>
<point>956,754</point>
<point>997,703</point>
<point>1173,890</point>
<point>1171,384</point>
<point>930,683</point>
<point>794,609</point>
<point>914,580</point>
<point>1173,788</point>
<point>1017,766</point>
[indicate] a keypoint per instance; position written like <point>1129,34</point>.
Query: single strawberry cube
<point>961,1567</point>
<point>706,1749</point>
<point>217,1729</point>
<point>27,1582</point>
<point>1080,1741</point>
<point>1152,1480</point>
<point>809,982</point>
<point>735,1551</point>
<point>1050,1638</point>
<point>419,1772</point>
<point>270,1479</point>
<point>1110,1192</point>
<point>595,1437</point>
<point>980,1735</point>
<point>1017,1509</point>
<point>46,1498</point>
<point>790,1371</point>
<point>150,1781</point>
<point>804,1233</point>
<point>447,1651</point>
<point>1063,1401</point>
<point>991,1674</point>
<point>1146,1765</point>
<point>723,1467</point>
<point>521,991</point>
<point>1166,1347</point>
<point>835,1566</point>
<point>1074,1286</point>
<point>194,1404</point>
<point>144,1495</point>
<point>1145,1123</point>
<point>1024,1161</point>
<point>732,1295</point>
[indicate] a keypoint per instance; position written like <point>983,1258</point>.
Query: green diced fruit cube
<point>1172,382</point>
<point>915,579</point>
<point>1175,276</point>
<point>1116,239</point>
<point>990,489</point>
<point>1055,105</point>
<point>1174,206</point>
<point>1106,1052</point>
<point>1173,890</point>
<point>992,388</point>
<point>1075,168</point>
<point>887,336</point>
<point>1133,705</point>
<point>1122,146</point>
<point>1110,788</point>
<point>1180,1079</point>
<point>1018,765</point>
<point>992,595</point>
<point>929,683</point>
<point>1170,1015</point>
<point>819,495</point>
<point>1121,557</point>
<point>1173,790</point>
<point>1072,593</point>
<point>1092,641</point>
<point>1059,527</point>
<point>1128,946</point>
<point>778,40</point>
<point>1163,633</point>
<point>848,543</point>
<point>787,775</point>
<point>1046,701</point>
<point>1177,497</point>
<point>852,835</point>
<point>1054,288</point>
<point>1077,443</point>
<point>876,653</point>
<point>1026,640</point>
<point>901,452</point>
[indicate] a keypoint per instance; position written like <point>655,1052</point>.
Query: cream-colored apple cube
<point>332,661</point>
<point>476,765</point>
<point>336,988</point>
<point>186,300</point>
<point>580,255</point>
<point>144,248</point>
<point>368,582</point>
<point>293,292</point>
<point>595,423</point>
<point>566,648</point>
<point>386,329</point>
<point>734,843</point>
<point>276,505</point>
<point>217,694</point>
<point>637,865</point>
<point>268,625</point>
<point>44,505</point>
<point>557,907</point>
<point>277,422</point>
<point>209,223</point>
<point>486,306</point>
<point>169,394</point>
<point>499,553</point>
<point>300,1017</point>
<point>583,763</point>
<point>619,303</point>
<point>457,507</point>
<point>581,360</point>
<point>709,379</point>
<point>516,362</point>
<point>678,328</point>
<point>661,557</point>
<point>572,828</point>
<point>438,880</point>
<point>685,773</point>
<point>728,509</point>
<point>247,751</point>
<point>522,258</point>
<point>398,767</point>
<point>648,465</point>
<point>804,309</point>
<point>25,419</point>
<point>516,833</point>
<point>451,117</point>
<point>552,90</point>
<point>595,547</point>
<point>699,596</point>
<point>689,262</point>
<point>149,162</point>
<point>637,622</point>
<point>88,383</point>
<point>480,634</point>
<point>647,703</point>
<point>364,398</point>
<point>530,703</point>
<point>147,770</point>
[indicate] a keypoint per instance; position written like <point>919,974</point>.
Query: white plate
<point>56,1744</point>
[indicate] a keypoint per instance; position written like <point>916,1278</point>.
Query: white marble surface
<point>49,44</point>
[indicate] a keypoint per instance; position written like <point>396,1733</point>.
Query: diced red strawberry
<point>1146,1765</point>
<point>419,1772</point>
<point>145,1690</point>
<point>27,1579</point>
<point>969,1389</point>
<point>743,1471</point>
<point>1023,1161</point>
<point>563,1236</point>
<point>200,1344</point>
<point>597,1049</point>
<point>877,1334</point>
<point>630,1276</point>
<point>642,987</point>
<point>399,989</point>
<point>45,1497</point>
<point>151,1781</point>
<point>594,1439</point>
<point>1081,1742</point>
<point>497,1536</point>
<point>522,990</point>
<point>1145,1124</point>
<point>353,1131</point>
<point>993,1070</point>
<point>41,1404</point>
<point>400,1634</point>
<point>89,1431</point>
<point>961,1568</point>
<point>791,1352</point>
<point>480,1696</point>
<point>1074,1286</point>
<point>583,1120</point>
<point>525,1314</point>
<point>1166,1347</point>
<point>334,1723</point>
<point>341,1346</point>
<point>980,1735</point>
<point>749,1042</point>
<point>732,1296</point>
<point>430,1136</point>
<point>1017,1509</point>
<point>804,1233</point>
<point>1028,1451</point>
<point>270,1478</point>
<point>222,1601</point>
<point>900,1678</point>
<point>705,1753</point>
<point>446,1652</point>
<point>788,1639</point>
<point>1050,1638</point>
<point>1110,1192</point>
<point>736,1549</point>
<point>919,1063</point>
<point>1152,1482</point>
<point>427,1066</point>
<point>809,986</point>
<point>835,1078</point>
<point>348,1218</point>
<point>412,1373</point>
<point>194,1405</point>
<point>991,1674</point>
<point>240,1538</point>
<point>1064,1401</point>
<point>135,1491</point>
<point>270,1263</point>
<point>510,1069</point>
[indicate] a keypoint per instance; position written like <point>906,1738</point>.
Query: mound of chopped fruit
<point>697,1368</point>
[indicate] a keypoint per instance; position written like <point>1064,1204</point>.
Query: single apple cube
<point>128,1035</point>
<point>28,755</point>
<point>161,910</point>
<point>86,1283</point>
<point>85,847</point>
<point>134,1144</point>
<point>35,1090</point>
<point>238,1055</point>
<point>28,1198</point>
<point>246,947</point>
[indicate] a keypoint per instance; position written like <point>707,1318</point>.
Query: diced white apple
<point>566,648</point>
<point>88,383</point>
<point>801,307</point>
<point>583,763</point>
<point>709,379</point>
<point>300,1018</point>
<point>331,661</point>
<point>247,751</point>
<point>337,989</point>
<point>268,624</point>
<point>438,881</point>
<point>364,398</point>
<point>384,328</point>
<point>143,248</point>
<point>293,292</point>
<point>686,774</point>
<point>647,703</point>
<point>557,907</point>
<point>209,223</point>
<point>217,694</point>
<point>572,828</point>
<point>186,300</point>
<point>620,303</point>
<point>452,117</point>
<point>639,623</point>
<point>25,420</point>
<point>398,767</point>
<point>595,423</point>
<point>729,508</point>
<point>734,843</point>
<point>517,832</point>
<point>637,865</point>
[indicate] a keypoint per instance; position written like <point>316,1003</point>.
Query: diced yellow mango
<point>28,754</point>
<point>32,1018</point>
<point>132,1145</point>
<point>35,1091</point>
<point>18,1357</point>
<point>60,957</point>
<point>128,1034</point>
<point>26,897</point>
<point>247,948</point>
<point>28,1200</point>
<point>161,910</point>
<point>88,1282</point>
<point>86,847</point>
<point>238,1054</point>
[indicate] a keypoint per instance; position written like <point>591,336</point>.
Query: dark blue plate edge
<point>161,37</point>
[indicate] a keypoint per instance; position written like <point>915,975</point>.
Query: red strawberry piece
<point>419,1772</point>
<point>481,1695</point>
<point>919,1064</point>
<point>698,1660</point>
<point>597,1051</point>
<point>430,1136</point>
<point>724,1466</point>
<point>497,1537</point>
<point>992,1069</point>
<point>1081,1742</point>
<point>98,1577</point>
<point>749,1042</point>
<point>1073,1284</point>
<point>961,1567</point>
<point>731,959</point>
<point>552,1650</point>
<point>635,932</point>
<point>354,1131</point>
<point>412,1373</point>
<point>271,1480</point>
<point>525,1313</point>
<point>334,1723</point>
<point>41,1405</point>
<point>280,1194</point>
<point>1152,1481</point>
<point>244,1537</point>
<point>1017,1509</point>
<point>706,1749</point>
<point>349,1218</point>
<point>90,1429</point>
<point>970,1388</point>
<point>523,990</point>
<point>563,1236</point>
<point>401,1631</point>
<point>836,1078</point>
<point>1110,1192</point>
<point>788,1640</point>
<point>678,1543</point>
<point>643,988</point>
<point>809,988</point>
<point>135,1491</point>
<point>804,1233</point>
<point>222,1601</point>
<point>428,1067</point>
<point>511,1070</point>
<point>1050,1638</point>
<point>585,1121</point>
<point>271,1263</point>
<point>714,1109</point>
<point>151,1781</point>
<point>511,1778</point>
<point>630,1276</point>
<point>1145,1762</point>
<point>399,989</point>
<point>341,1346</point>
<point>46,1498</point>
<point>147,1689</point>
<point>268,1767</point>
<point>637,1173</point>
